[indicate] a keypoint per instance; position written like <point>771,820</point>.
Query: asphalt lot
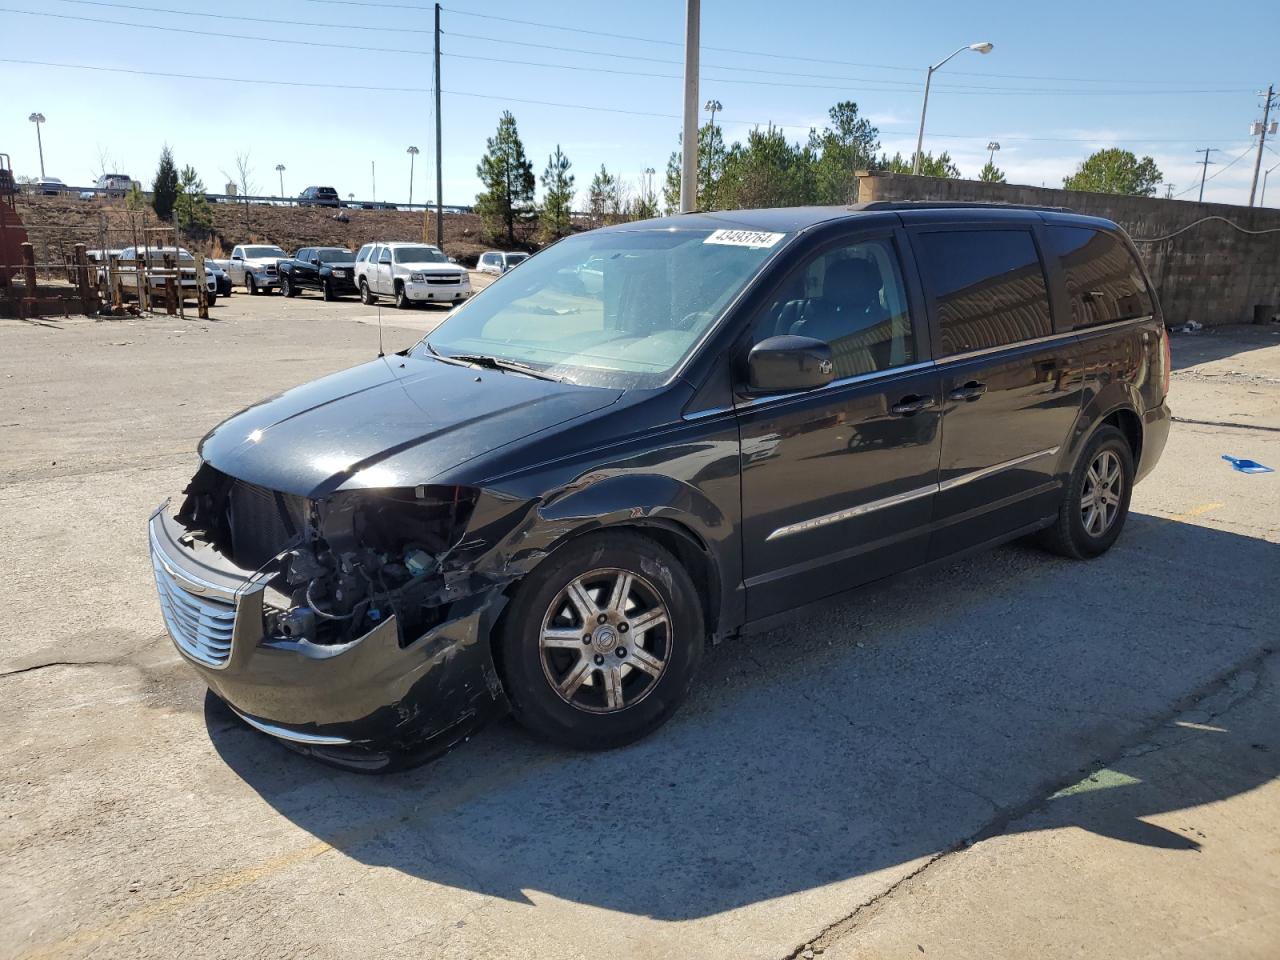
<point>1015,755</point>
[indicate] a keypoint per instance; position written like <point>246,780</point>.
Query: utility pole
<point>413,152</point>
<point>439,169</point>
<point>280,170</point>
<point>1204,168</point>
<point>689,153</point>
<point>373,177</point>
<point>1262,139</point>
<point>37,119</point>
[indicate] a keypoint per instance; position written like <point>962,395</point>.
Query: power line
<point>1218,174</point>
<point>306,84</point>
<point>995,91</point>
<point>618,36</point>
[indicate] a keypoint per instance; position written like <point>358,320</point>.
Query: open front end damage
<point>356,625</point>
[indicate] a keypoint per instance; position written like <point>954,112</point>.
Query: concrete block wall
<point>1211,273</point>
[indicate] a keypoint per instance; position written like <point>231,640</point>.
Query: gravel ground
<point>851,774</point>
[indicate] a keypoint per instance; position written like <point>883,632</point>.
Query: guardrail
<point>35,189</point>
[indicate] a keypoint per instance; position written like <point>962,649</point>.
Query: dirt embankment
<point>56,224</point>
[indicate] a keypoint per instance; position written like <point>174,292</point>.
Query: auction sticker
<point>744,238</point>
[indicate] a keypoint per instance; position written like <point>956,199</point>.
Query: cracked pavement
<point>1014,755</point>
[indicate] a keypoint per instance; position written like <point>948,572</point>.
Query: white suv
<point>498,262</point>
<point>411,273</point>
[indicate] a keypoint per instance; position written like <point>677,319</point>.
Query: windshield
<point>600,305</point>
<point>334,255</point>
<point>418,255</point>
<point>263,252</point>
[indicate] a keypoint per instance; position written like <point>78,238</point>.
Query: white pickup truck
<point>253,266</point>
<point>137,262</point>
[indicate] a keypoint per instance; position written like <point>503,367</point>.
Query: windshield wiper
<point>496,363</point>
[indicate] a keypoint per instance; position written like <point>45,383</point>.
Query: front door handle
<point>973,390</point>
<point>910,405</point>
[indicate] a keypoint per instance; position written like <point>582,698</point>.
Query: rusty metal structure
<point>12,233</point>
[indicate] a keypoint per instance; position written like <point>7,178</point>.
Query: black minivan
<point>648,438</point>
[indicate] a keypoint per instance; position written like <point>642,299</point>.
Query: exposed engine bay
<point>342,564</point>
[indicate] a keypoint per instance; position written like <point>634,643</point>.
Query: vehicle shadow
<point>886,727</point>
<point>1218,343</point>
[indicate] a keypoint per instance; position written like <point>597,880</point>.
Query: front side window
<point>988,285</point>
<point>622,308</point>
<point>852,298</point>
<point>1104,284</point>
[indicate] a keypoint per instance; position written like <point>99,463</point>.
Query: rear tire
<point>1096,501</point>
<point>620,683</point>
<point>367,298</point>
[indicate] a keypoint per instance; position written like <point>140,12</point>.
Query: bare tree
<point>243,179</point>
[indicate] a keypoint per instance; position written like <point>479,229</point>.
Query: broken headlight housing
<point>366,555</point>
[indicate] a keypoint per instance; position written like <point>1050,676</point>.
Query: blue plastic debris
<point>1246,466</point>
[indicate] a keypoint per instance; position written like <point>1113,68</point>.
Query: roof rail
<point>952,204</point>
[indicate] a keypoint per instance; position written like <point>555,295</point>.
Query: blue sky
<point>1163,80</point>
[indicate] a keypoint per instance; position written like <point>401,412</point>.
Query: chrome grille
<point>200,626</point>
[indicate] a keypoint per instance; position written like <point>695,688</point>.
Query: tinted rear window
<point>989,287</point>
<point>1104,284</point>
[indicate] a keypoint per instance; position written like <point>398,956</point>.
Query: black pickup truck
<point>331,270</point>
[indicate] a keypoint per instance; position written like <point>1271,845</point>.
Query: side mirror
<point>315,261</point>
<point>237,258</point>
<point>453,259</point>
<point>787,364</point>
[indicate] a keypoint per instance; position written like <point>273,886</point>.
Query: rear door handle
<point>973,390</point>
<point>911,404</point>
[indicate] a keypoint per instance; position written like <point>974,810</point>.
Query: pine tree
<point>164,189</point>
<point>671,186</point>
<point>557,200</point>
<point>840,151</point>
<point>192,206</point>
<point>508,181</point>
<point>602,197</point>
<point>991,174</point>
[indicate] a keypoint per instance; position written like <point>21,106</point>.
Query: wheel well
<point>1127,422</point>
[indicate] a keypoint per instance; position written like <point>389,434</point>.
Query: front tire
<point>287,289</point>
<point>251,285</point>
<point>402,299</point>
<point>601,642</point>
<point>1096,501</point>
<point>326,291</point>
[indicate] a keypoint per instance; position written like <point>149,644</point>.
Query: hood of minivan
<point>394,422</point>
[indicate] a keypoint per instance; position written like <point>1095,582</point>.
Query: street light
<point>412,152</point>
<point>992,147</point>
<point>1266,173</point>
<point>713,107</point>
<point>37,119</point>
<point>983,47</point>
<point>280,170</point>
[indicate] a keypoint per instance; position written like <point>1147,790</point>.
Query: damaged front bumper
<point>369,703</point>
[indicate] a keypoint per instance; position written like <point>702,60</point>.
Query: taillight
<point>1168,359</point>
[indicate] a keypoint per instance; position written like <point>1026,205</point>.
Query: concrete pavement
<point>819,774</point>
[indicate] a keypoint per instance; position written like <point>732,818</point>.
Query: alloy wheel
<point>605,640</point>
<point>1102,494</point>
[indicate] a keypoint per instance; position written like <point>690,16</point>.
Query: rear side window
<point>1104,283</point>
<point>989,287</point>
